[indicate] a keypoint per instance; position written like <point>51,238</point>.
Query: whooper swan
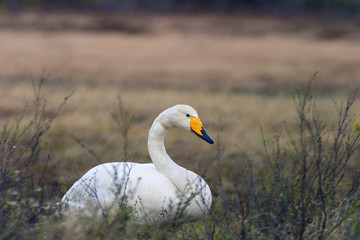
<point>156,193</point>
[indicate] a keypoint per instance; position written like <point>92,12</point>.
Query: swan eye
<point>187,115</point>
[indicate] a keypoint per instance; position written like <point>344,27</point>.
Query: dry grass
<point>237,71</point>
<point>176,51</point>
<point>240,69</point>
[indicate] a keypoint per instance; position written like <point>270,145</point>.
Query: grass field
<point>238,71</point>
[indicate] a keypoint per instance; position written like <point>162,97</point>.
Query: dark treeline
<point>274,6</point>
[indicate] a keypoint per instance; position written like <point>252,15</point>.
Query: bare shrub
<point>22,187</point>
<point>303,188</point>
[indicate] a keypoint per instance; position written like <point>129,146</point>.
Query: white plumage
<point>157,192</point>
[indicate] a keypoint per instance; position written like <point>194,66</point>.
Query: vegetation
<point>23,165</point>
<point>306,187</point>
<point>297,177</point>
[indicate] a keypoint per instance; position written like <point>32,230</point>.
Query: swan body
<point>158,192</point>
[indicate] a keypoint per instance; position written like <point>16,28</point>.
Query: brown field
<point>239,69</point>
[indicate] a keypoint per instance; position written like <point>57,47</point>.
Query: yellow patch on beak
<point>196,125</point>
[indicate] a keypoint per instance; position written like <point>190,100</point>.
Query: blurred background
<point>240,64</point>
<point>236,62</point>
<point>284,6</point>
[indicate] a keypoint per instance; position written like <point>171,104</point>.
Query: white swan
<point>157,192</point>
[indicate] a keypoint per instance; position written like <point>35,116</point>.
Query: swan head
<point>186,117</point>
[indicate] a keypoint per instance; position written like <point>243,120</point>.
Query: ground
<point>238,71</point>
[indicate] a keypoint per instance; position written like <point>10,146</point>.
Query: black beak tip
<point>206,137</point>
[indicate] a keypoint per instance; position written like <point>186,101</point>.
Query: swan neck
<point>185,181</point>
<point>157,150</point>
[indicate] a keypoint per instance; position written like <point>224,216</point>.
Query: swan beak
<point>197,127</point>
